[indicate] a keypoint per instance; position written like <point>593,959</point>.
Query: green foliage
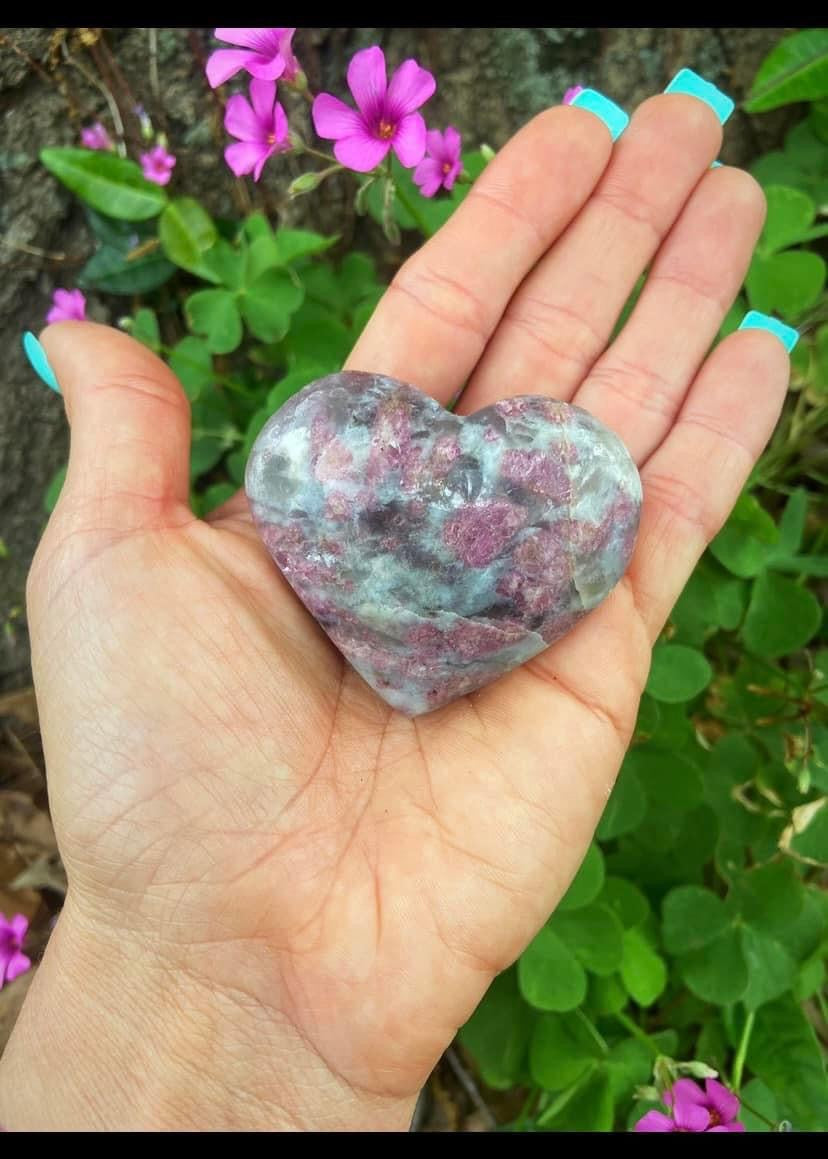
<point>127,260</point>
<point>711,849</point>
<point>112,185</point>
<point>187,232</point>
<point>795,70</point>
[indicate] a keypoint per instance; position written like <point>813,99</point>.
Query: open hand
<point>284,898</point>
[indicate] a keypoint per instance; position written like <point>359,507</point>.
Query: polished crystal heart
<point>439,551</point>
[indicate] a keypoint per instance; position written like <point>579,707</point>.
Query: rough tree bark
<point>489,82</point>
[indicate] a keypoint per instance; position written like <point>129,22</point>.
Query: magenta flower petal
<point>280,125</point>
<point>262,98</point>
<point>571,93</point>
<point>361,152</point>
<point>443,149</point>
<point>13,962</point>
<point>263,69</point>
<point>333,119</point>
<point>685,1091</point>
<point>292,66</point>
<point>19,924</point>
<point>366,80</point>
<point>409,141</point>
<point>410,87</point>
<point>240,120</point>
<point>261,127</point>
<point>452,142</point>
<point>18,964</point>
<point>224,63</point>
<point>723,1101</point>
<point>260,164</point>
<point>690,1116</point>
<point>726,1127</point>
<point>434,143</point>
<point>363,137</point>
<point>261,40</point>
<point>243,156</point>
<point>157,165</point>
<point>67,306</point>
<point>260,53</point>
<point>654,1121</point>
<point>428,176</point>
<point>95,137</point>
<point>452,175</point>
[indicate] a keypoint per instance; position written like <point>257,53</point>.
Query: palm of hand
<point>221,780</point>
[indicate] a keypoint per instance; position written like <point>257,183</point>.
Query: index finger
<point>435,319</point>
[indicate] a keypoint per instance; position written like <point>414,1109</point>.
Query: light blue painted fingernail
<point>715,164</point>
<point>609,112</point>
<point>693,85</point>
<point>753,320</point>
<point>39,362</point>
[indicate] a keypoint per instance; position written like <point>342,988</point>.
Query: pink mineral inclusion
<point>538,472</point>
<point>480,531</point>
<point>385,117</point>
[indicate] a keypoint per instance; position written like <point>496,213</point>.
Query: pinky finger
<point>692,481</point>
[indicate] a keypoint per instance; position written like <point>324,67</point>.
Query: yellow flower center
<point>446,166</point>
<point>385,130</point>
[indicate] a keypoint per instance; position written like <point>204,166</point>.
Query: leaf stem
<point>637,1032</point>
<point>741,1051</point>
<point>593,1030</point>
<point>773,1125</point>
<point>558,1104</point>
<point>309,149</point>
<point>114,111</point>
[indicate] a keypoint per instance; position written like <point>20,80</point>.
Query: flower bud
<point>147,131</point>
<point>697,1070</point>
<point>307,182</point>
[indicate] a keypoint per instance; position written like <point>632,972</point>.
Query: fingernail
<point>39,362</point>
<point>753,320</point>
<point>715,164</point>
<point>608,111</point>
<point>693,85</point>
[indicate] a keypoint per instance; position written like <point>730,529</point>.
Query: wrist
<point>113,1037</point>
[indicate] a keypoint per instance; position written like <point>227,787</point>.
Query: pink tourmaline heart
<point>439,551</point>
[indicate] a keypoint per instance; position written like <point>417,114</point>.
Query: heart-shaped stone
<point>440,551</point>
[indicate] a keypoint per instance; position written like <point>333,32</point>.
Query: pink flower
<point>385,117</point>
<point>261,127</point>
<point>713,1109</point>
<point>442,163</point>
<point>13,962</point>
<point>95,137</point>
<point>570,94</point>
<point>67,306</point>
<point>157,165</point>
<point>266,53</point>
